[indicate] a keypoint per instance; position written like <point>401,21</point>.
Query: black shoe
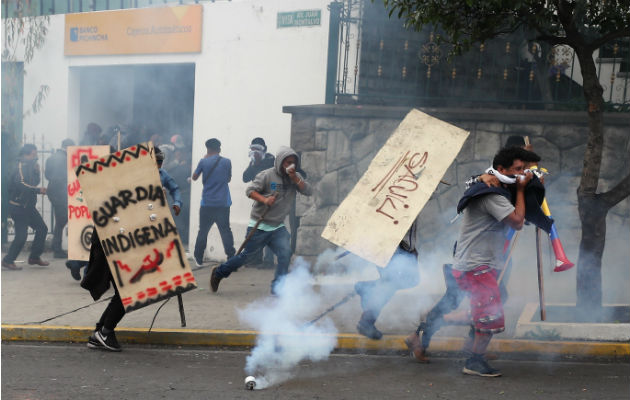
<point>367,329</point>
<point>476,365</point>
<point>108,341</point>
<point>75,270</point>
<point>214,280</point>
<point>93,343</point>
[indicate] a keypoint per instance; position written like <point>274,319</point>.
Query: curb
<point>345,341</point>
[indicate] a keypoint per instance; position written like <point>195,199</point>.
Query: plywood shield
<point>373,218</point>
<point>79,217</point>
<point>131,214</point>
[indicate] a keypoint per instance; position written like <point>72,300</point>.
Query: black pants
<point>60,208</point>
<point>208,216</point>
<point>22,219</point>
<point>113,313</point>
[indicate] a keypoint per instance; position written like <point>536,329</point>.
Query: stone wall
<point>338,142</point>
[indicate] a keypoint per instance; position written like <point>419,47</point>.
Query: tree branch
<point>596,44</point>
<point>618,193</point>
<point>554,40</point>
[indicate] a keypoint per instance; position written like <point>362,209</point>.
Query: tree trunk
<point>591,208</point>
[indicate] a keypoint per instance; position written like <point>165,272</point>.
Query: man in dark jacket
<point>23,191</point>
<point>260,161</point>
<point>57,174</point>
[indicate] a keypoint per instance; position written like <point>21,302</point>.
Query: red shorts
<point>485,299</point>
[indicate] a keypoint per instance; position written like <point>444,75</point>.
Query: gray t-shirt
<point>481,236</point>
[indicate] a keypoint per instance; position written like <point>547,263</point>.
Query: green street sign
<point>299,18</point>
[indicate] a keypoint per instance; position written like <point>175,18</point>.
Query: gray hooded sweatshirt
<point>273,180</point>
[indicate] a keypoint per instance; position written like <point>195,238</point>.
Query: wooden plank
<point>373,218</point>
<point>79,217</point>
<point>131,214</point>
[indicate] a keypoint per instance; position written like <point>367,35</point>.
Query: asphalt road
<point>72,371</point>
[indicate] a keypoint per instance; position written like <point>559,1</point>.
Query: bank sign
<point>137,31</point>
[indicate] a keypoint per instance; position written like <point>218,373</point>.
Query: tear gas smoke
<point>285,337</point>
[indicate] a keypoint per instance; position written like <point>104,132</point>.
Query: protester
<point>91,135</point>
<point>57,174</point>
<point>23,191</point>
<point>215,199</point>
<point>400,273</point>
<point>273,192</point>
<point>98,276</point>
<point>442,312</point>
<point>487,212</point>
<point>260,160</point>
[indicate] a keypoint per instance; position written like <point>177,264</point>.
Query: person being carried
<point>273,192</point>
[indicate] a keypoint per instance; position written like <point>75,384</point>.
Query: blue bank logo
<point>274,186</point>
<point>74,34</point>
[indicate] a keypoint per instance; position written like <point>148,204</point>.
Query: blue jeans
<point>279,241</point>
<point>400,273</point>
<point>207,217</point>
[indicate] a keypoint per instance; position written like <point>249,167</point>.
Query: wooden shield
<point>131,215</point>
<point>373,218</point>
<point>79,217</point>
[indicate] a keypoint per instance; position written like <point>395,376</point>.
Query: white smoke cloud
<point>286,336</point>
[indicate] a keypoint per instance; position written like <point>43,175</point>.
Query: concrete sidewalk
<point>36,294</point>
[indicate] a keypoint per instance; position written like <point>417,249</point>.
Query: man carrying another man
<point>487,212</point>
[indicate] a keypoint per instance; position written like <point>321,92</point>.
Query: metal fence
<point>380,62</point>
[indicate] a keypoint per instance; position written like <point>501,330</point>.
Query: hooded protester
<point>23,191</point>
<point>273,192</point>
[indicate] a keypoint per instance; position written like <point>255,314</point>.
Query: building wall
<point>248,69</point>
<point>337,143</point>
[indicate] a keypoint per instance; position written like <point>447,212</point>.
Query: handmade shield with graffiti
<point>79,217</point>
<point>373,218</point>
<point>131,214</point>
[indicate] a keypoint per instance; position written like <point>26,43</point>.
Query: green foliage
<point>575,23</point>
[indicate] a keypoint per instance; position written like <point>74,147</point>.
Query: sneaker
<point>93,343</point>
<point>367,329</point>
<point>38,261</point>
<point>108,342</point>
<point>214,280</point>
<point>10,266</point>
<point>478,366</point>
<point>198,263</point>
<point>415,347</point>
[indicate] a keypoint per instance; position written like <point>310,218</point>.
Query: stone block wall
<point>337,144</point>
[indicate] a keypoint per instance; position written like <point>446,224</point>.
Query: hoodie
<point>274,180</point>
